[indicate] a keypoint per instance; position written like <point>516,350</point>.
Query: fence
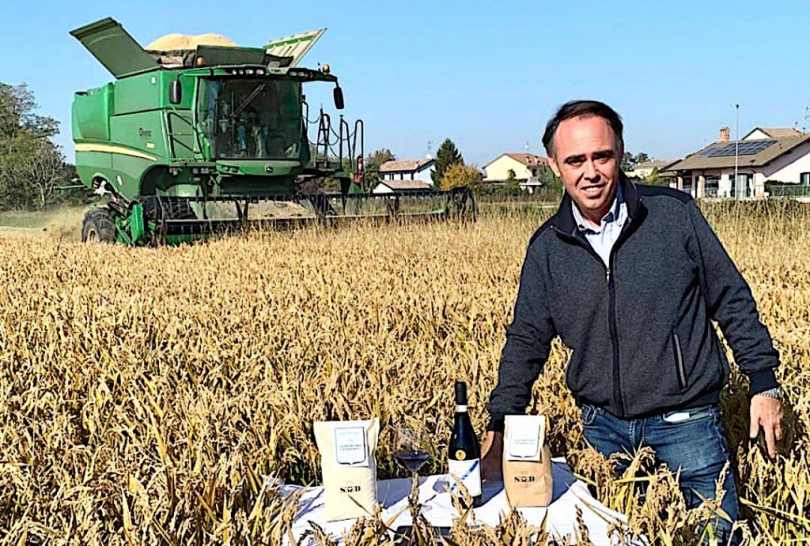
<point>788,190</point>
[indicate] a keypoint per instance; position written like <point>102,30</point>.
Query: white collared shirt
<point>604,237</point>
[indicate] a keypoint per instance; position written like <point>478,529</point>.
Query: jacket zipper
<point>679,361</point>
<point>614,332</point>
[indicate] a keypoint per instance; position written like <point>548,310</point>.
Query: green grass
<point>63,223</point>
<point>26,219</point>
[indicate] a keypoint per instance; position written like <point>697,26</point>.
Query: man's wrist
<point>775,392</point>
<point>761,381</point>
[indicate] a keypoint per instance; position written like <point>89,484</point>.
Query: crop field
<point>147,392</point>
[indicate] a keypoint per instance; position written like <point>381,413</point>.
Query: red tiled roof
<point>404,165</point>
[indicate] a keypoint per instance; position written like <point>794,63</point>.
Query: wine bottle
<point>464,453</point>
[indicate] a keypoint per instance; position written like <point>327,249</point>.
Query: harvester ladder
<point>322,143</point>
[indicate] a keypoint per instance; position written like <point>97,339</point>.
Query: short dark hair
<point>582,108</point>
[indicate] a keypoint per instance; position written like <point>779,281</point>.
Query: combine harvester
<point>197,136</point>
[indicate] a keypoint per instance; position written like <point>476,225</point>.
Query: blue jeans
<point>691,440</point>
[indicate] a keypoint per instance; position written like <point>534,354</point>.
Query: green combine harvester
<point>197,138</point>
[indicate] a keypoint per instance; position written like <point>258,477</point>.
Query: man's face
<point>586,158</point>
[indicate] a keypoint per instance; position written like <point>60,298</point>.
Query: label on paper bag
<point>525,437</point>
<point>469,472</point>
<point>527,476</point>
<point>350,446</point>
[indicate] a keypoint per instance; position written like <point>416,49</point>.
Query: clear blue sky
<point>486,74</point>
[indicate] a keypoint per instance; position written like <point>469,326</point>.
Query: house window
<point>687,184</point>
<point>742,187</point>
<point>712,186</point>
<point>804,179</point>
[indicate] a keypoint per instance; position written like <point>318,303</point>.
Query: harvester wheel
<point>98,226</point>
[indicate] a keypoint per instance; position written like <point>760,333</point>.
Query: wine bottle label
<point>350,446</point>
<point>525,436</point>
<point>469,472</point>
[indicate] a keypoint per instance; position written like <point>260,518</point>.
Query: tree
<point>628,160</point>
<point>446,155</point>
<point>459,175</point>
<point>17,117</point>
<point>373,163</point>
<point>30,164</point>
<point>655,179</point>
<point>44,171</point>
<point>550,184</point>
<point>512,185</point>
<point>380,156</point>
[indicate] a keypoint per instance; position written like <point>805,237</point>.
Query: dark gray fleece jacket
<point>640,329</point>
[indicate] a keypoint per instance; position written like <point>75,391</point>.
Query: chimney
<point>725,132</point>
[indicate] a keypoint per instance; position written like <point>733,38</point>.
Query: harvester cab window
<point>251,118</point>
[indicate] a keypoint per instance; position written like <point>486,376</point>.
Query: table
<point>569,493</point>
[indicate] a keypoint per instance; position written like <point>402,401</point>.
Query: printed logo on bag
<point>525,479</point>
<point>350,446</point>
<point>525,438</point>
<point>350,489</point>
<point>461,454</point>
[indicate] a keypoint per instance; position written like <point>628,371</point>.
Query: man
<point>630,277</point>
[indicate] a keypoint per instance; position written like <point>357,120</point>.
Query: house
<point>409,169</point>
<point>401,186</point>
<point>645,168</point>
<point>525,167</point>
<point>780,156</point>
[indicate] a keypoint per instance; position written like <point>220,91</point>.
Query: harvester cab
<point>197,135</point>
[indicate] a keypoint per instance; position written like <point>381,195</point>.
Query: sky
<point>487,75</point>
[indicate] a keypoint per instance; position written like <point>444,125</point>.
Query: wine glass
<point>411,452</point>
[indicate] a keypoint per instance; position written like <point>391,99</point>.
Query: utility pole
<point>737,152</point>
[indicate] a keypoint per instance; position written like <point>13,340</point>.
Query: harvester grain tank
<point>199,135</point>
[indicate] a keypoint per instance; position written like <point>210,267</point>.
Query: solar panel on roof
<point>751,147</point>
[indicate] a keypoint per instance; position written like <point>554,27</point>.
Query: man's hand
<point>492,457</point>
<point>767,412</point>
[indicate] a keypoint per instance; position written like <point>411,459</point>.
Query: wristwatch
<point>775,392</point>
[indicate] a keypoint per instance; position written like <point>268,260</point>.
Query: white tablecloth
<point>393,496</point>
